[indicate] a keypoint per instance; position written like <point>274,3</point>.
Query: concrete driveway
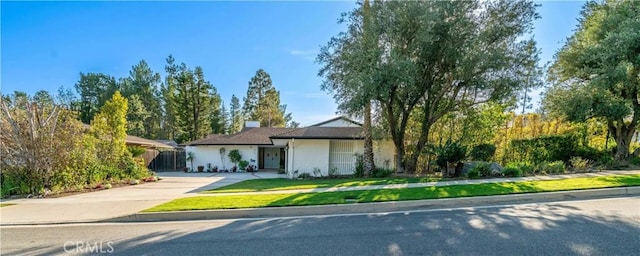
<point>111,203</point>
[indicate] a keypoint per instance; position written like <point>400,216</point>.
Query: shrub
<point>511,171</point>
<point>234,156</point>
<point>305,175</point>
<point>526,168</point>
<point>473,174</point>
<point>317,172</point>
<point>580,164</point>
<point>483,169</point>
<point>243,164</point>
<point>381,173</point>
<point>635,160</point>
<point>555,167</point>
<point>483,152</point>
<point>359,171</point>
<point>333,172</point>
<point>545,148</point>
<point>450,152</point>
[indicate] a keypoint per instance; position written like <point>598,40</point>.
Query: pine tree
<point>142,81</point>
<point>194,96</point>
<point>137,116</point>
<point>262,102</point>
<point>236,115</point>
<point>94,90</point>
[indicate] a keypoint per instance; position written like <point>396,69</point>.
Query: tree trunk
<point>623,136</point>
<point>369,163</point>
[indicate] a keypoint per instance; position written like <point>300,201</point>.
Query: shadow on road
<point>549,229</point>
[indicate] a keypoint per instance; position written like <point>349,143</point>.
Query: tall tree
<point>262,102</point>
<point>217,113</point>
<point>169,100</point>
<point>137,115</point>
<point>94,90</point>
<point>224,119</point>
<point>110,127</point>
<point>235,113</point>
<point>597,72</point>
<point>142,81</point>
<point>429,56</point>
<point>194,97</point>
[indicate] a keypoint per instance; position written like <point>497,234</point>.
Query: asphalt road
<point>590,227</point>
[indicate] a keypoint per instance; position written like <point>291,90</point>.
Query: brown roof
<point>263,135</point>
<point>248,136</point>
<point>338,118</point>
<point>353,133</point>
<point>133,140</point>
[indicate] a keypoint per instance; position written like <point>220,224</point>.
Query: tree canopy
<point>430,57</point>
<point>596,74</point>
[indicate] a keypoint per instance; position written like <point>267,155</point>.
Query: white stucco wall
<point>203,154</point>
<point>382,150</point>
<point>305,155</point>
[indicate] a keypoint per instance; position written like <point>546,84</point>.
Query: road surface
<point>589,227</point>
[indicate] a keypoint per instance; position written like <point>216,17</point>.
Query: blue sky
<point>45,45</point>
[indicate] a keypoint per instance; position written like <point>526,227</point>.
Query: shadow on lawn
<point>518,230</point>
<point>385,195</point>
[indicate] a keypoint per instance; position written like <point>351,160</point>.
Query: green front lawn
<point>383,195</point>
<point>288,184</point>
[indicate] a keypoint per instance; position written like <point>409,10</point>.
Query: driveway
<point>111,203</point>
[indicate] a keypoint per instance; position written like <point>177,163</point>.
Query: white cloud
<point>305,54</point>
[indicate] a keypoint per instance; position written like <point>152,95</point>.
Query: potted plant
<point>200,168</point>
<point>190,158</point>
<point>185,169</point>
<point>235,157</point>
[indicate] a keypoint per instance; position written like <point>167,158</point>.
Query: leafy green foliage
<point>243,164</point>
<point>511,171</point>
<point>544,148</point>
<point>473,174</point>
<point>449,153</point>
<point>596,73</point>
<point>94,90</point>
<point>136,151</point>
<point>381,173</point>
<point>388,55</point>
<point>262,102</point>
<point>234,156</point>
<point>555,167</point>
<point>359,170</point>
<point>482,168</point>
<point>579,164</point>
<point>483,152</point>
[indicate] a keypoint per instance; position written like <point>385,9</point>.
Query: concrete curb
<point>430,204</point>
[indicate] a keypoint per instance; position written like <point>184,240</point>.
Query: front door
<point>271,158</point>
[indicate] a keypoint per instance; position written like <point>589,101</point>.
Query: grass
<point>383,195</point>
<point>3,205</point>
<point>288,184</point>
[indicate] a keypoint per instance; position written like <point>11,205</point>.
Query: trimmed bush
<point>483,169</point>
<point>473,174</point>
<point>545,148</point>
<point>511,171</point>
<point>526,168</point>
<point>243,164</point>
<point>483,152</point>
<point>381,173</point>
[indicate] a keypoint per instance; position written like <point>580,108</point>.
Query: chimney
<point>251,124</point>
